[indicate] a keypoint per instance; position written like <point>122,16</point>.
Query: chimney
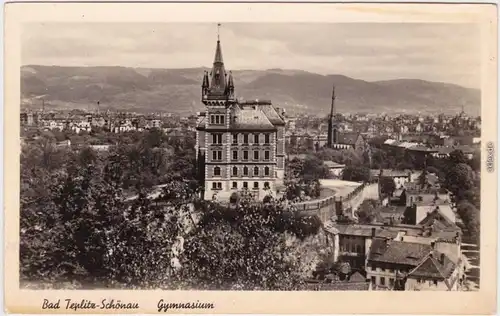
<point>373,232</point>
<point>433,245</point>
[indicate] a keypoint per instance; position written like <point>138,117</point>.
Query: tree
<point>471,219</point>
<point>367,211</point>
<point>387,186</point>
<point>359,174</point>
<point>220,253</point>
<point>459,178</point>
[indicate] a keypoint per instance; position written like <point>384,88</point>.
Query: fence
<point>309,208</point>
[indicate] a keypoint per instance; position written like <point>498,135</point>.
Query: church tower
<point>332,123</point>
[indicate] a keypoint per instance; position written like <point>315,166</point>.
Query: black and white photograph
<point>250,156</point>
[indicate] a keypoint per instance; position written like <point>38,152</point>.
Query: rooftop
<point>399,252</point>
<point>434,265</point>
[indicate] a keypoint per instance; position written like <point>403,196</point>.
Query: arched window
<point>245,171</point>
<point>235,171</point>
<point>217,171</point>
<point>256,171</point>
<point>266,171</point>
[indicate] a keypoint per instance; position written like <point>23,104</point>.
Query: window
<point>391,282</point>
<point>217,155</point>
<point>266,171</point>
<point>267,138</point>
<point>217,138</point>
<point>214,185</point>
<point>217,171</point>
<point>245,138</point>
<point>219,185</point>
<point>419,281</point>
<point>245,171</point>
<point>435,282</point>
<point>245,155</point>
<point>256,138</point>
<point>222,119</point>
<point>266,185</point>
<point>245,185</point>
<point>382,280</point>
<point>256,171</point>
<point>212,119</point>
<point>374,267</point>
<point>235,185</point>
<point>266,155</point>
<point>374,280</point>
<point>256,154</point>
<point>235,154</point>
<point>358,248</point>
<point>235,171</point>
<point>256,185</point>
<point>235,138</point>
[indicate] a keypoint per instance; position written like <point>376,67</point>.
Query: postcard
<point>223,158</point>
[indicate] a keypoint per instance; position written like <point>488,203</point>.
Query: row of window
<point>352,248</point>
<point>217,171</point>
<point>382,281</point>
<point>217,119</point>
<point>218,185</point>
<point>217,155</point>
<point>217,138</point>
<point>256,154</point>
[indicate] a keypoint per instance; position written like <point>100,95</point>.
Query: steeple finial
<point>218,32</point>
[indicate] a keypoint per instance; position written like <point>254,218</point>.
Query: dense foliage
<point>96,218</point>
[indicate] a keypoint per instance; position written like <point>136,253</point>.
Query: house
<point>389,258</point>
<point>400,177</point>
<point>440,270</point>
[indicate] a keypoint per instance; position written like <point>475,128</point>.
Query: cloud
<point>368,51</point>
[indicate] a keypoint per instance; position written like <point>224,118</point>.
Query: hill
<point>178,90</point>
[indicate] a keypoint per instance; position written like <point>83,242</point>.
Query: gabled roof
<point>399,252</point>
<point>271,114</point>
<point>348,138</point>
<point>437,220</point>
<point>432,267</point>
<point>253,119</point>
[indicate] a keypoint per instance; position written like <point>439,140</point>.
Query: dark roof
<point>399,252</point>
<point>432,267</point>
<point>348,138</point>
<point>271,114</point>
<point>437,220</point>
<point>366,229</point>
<point>251,119</point>
<point>339,286</point>
<point>357,277</point>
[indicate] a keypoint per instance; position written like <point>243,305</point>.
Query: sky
<point>367,51</point>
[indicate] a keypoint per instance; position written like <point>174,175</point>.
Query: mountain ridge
<point>178,90</point>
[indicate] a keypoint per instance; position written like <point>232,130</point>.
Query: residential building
<point>240,144</point>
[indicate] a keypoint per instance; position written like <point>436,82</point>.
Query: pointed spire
<point>332,110</point>
<point>205,83</point>
<point>230,81</point>
<point>218,54</point>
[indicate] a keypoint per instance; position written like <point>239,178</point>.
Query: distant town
<point>243,196</point>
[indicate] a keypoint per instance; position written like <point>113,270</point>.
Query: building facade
<point>240,144</point>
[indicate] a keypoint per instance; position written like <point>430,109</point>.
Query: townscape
<point>246,196</point>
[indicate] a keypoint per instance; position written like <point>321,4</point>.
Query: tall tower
<point>218,97</point>
<point>332,123</point>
